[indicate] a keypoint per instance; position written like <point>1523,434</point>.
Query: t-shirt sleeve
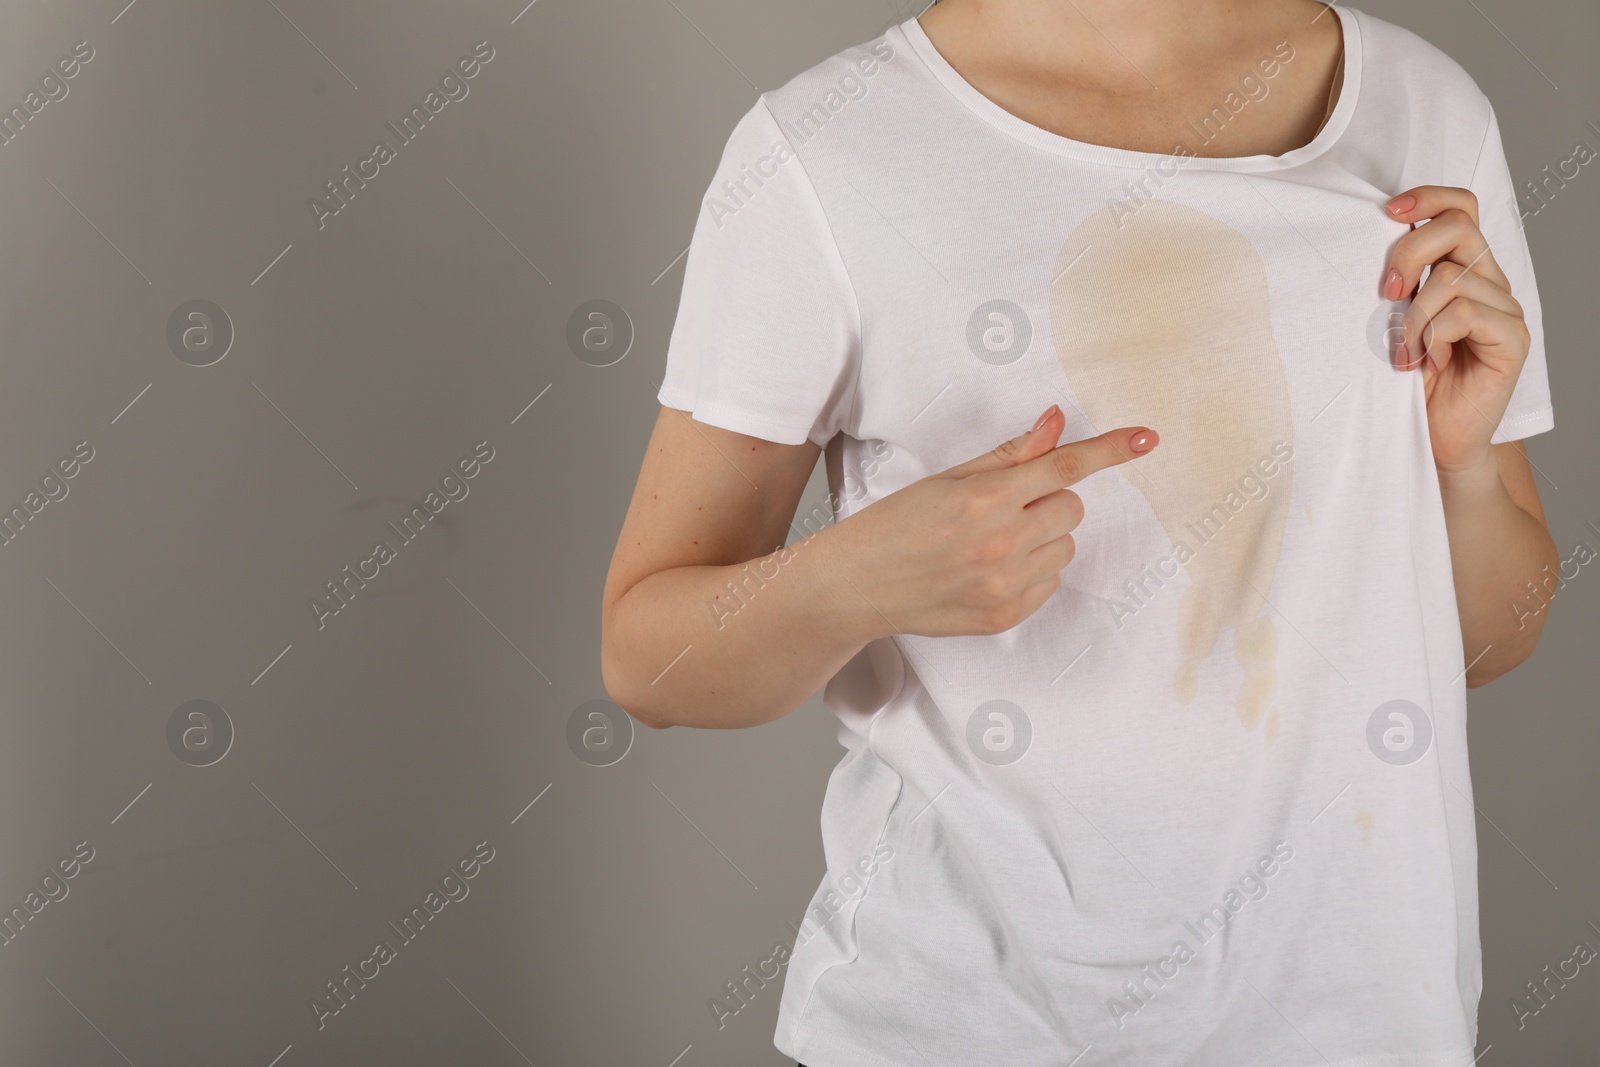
<point>766,342</point>
<point>1500,219</point>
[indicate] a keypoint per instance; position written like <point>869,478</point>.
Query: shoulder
<point>1404,66</point>
<point>847,112</point>
<point>841,79</point>
<point>850,101</point>
<point>822,120</point>
<point>1423,99</point>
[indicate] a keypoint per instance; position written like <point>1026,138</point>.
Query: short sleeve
<point>766,341</point>
<point>1529,411</point>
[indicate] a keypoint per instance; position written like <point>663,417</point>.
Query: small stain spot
<point>1364,821</point>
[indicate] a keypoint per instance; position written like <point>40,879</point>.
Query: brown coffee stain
<point>1364,822</point>
<point>1160,316</point>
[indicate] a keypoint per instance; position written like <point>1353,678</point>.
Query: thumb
<point>1044,436</point>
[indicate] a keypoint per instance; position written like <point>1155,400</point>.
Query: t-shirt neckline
<point>995,115</point>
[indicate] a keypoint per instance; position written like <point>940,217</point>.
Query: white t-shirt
<point>1210,805</point>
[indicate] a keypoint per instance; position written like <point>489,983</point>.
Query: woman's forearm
<point>734,646</point>
<point>1496,549</point>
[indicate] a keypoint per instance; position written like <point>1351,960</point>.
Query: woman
<point>1154,714</point>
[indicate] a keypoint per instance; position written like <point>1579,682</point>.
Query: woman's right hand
<point>980,547</point>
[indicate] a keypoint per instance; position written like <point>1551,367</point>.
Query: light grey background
<point>372,754</point>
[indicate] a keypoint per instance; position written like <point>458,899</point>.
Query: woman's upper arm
<point>706,497</point>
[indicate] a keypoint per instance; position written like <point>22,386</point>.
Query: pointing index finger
<point>1071,463</point>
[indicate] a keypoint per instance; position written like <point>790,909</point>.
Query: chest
<point>1228,311</point>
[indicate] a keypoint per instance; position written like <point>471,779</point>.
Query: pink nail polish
<point>1143,441</point>
<point>1051,410</point>
<point>1391,285</point>
<point>1402,204</point>
<point>1402,356</point>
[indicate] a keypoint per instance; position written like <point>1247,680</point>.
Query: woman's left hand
<point>1464,328</point>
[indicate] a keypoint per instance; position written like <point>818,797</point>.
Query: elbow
<point>1480,678</point>
<point>642,717</point>
<point>639,717</point>
<point>624,695</point>
<point>1487,672</point>
<point>623,699</point>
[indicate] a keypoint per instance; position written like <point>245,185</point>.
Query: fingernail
<point>1402,355</point>
<point>1391,285</point>
<point>1143,441</point>
<point>1051,410</point>
<point>1402,204</point>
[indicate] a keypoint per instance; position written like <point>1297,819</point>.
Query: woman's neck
<point>1134,73</point>
<point>1154,39</point>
